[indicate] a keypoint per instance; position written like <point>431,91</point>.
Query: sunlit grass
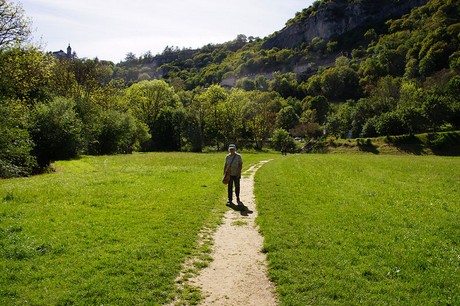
<point>106,230</point>
<point>360,229</point>
<point>340,229</point>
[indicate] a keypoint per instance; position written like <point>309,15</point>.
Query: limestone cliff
<point>339,17</point>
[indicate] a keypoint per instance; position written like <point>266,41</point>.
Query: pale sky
<point>110,29</point>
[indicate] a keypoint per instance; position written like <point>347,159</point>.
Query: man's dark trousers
<point>236,180</point>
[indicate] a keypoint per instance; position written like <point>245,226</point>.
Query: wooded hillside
<point>379,77</point>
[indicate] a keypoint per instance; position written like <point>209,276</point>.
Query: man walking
<point>233,164</point>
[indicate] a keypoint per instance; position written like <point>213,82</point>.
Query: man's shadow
<point>244,210</point>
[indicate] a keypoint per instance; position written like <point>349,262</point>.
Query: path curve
<point>238,273</point>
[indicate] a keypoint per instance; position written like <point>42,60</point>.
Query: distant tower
<point>69,51</point>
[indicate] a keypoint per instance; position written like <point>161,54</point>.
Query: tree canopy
<point>14,25</point>
<point>400,77</point>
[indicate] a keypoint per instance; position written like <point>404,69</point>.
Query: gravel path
<point>238,273</point>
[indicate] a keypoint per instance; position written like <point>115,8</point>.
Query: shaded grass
<point>436,143</point>
<point>106,230</point>
<point>362,229</point>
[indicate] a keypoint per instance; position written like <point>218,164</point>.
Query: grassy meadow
<point>110,230</point>
<point>362,229</point>
<point>339,228</point>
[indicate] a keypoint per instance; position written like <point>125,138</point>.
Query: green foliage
<point>370,127</point>
<point>118,133</point>
<point>259,116</point>
<point>341,120</point>
<point>233,109</point>
<point>420,42</point>
<point>15,142</point>
<point>414,119</point>
<point>437,108</point>
<point>56,131</point>
<point>287,118</point>
<point>389,123</point>
<point>15,27</point>
<point>285,84</point>
<point>167,129</point>
<point>320,105</point>
<point>147,99</point>
<point>282,139</point>
<point>336,82</point>
<point>24,74</point>
<point>213,113</point>
<point>402,77</point>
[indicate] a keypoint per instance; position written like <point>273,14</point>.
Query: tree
<point>25,74</point>
<point>55,130</point>
<point>118,132</point>
<point>89,75</point>
<point>15,142</point>
<point>437,108</point>
<point>168,129</point>
<point>321,105</point>
<point>369,128</point>
<point>285,84</point>
<point>131,58</point>
<point>214,116</point>
<point>371,70</point>
<point>340,121</point>
<point>233,108</point>
<point>261,83</point>
<point>147,98</point>
<point>281,138</point>
<point>260,116</point>
<point>340,82</point>
<point>14,26</point>
<point>287,118</point>
<point>62,80</point>
<point>246,84</point>
<point>390,123</point>
<point>414,119</point>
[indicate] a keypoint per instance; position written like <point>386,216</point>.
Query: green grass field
<point>362,229</point>
<point>339,229</point>
<point>110,230</point>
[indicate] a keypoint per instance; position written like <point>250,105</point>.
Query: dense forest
<point>395,77</point>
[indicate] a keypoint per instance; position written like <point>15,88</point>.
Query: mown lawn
<point>110,230</point>
<point>362,229</point>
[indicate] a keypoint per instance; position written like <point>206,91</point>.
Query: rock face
<point>339,17</point>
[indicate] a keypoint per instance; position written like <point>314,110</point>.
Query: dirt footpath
<point>238,273</point>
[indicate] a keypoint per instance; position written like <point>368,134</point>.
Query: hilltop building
<point>65,55</point>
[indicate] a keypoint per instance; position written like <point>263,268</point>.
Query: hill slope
<point>338,17</point>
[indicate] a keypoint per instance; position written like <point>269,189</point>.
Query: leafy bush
<point>437,108</point>
<point>369,129</point>
<point>281,138</point>
<point>15,142</point>
<point>56,131</point>
<point>414,119</point>
<point>287,118</point>
<point>166,134</point>
<point>390,124</point>
<point>443,141</point>
<point>119,133</point>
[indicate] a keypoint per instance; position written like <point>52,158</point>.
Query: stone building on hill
<point>65,55</point>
